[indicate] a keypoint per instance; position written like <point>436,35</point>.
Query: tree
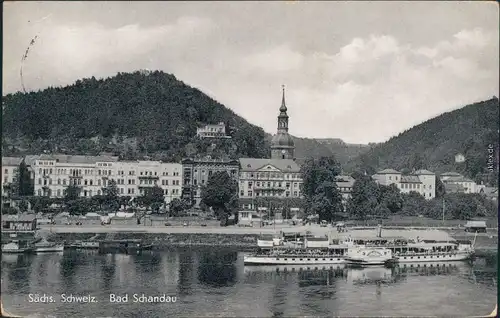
<point>23,206</point>
<point>176,206</point>
<point>391,198</point>
<point>221,194</point>
<point>40,204</point>
<point>110,194</point>
<point>440,189</point>
<point>9,210</point>
<point>319,188</point>
<point>413,204</point>
<point>153,198</point>
<point>72,193</point>
<point>364,198</point>
<point>23,178</point>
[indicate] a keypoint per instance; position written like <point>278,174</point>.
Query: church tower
<point>282,145</point>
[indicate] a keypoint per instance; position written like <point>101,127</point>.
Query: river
<point>205,282</point>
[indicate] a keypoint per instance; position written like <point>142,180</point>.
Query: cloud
<point>64,54</point>
<point>382,86</point>
<point>362,87</point>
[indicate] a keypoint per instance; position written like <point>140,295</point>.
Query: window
<point>250,193</point>
<point>242,193</point>
<point>294,193</point>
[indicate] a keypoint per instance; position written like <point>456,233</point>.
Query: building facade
<point>54,173</point>
<point>134,178</point>
<point>421,181</point>
<point>10,167</point>
<point>345,184</point>
<point>196,173</point>
<point>212,131</point>
<point>468,185</point>
<point>276,178</point>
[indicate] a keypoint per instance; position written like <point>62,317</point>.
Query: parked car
<point>79,223</point>
<point>168,224</point>
<point>203,224</point>
<point>184,224</point>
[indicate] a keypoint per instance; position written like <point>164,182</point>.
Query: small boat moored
<point>47,247</point>
<point>16,247</point>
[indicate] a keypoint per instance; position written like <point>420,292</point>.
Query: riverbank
<point>239,237</point>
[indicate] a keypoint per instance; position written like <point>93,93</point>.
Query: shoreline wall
<point>164,240</point>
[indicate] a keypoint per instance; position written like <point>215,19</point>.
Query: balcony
<point>149,177</point>
<point>271,188</point>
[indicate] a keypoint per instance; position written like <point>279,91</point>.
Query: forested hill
<point>433,144</point>
<point>131,114</point>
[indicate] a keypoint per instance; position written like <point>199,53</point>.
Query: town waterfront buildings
<point>421,181</point>
<point>10,166</point>
<point>277,177</point>
<point>196,173</point>
<point>455,182</point>
<point>52,174</point>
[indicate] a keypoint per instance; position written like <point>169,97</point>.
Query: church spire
<point>283,103</point>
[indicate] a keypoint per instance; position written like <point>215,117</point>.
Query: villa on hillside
<point>212,131</point>
<point>421,181</point>
<point>460,183</point>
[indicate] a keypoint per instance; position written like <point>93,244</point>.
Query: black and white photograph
<point>249,159</point>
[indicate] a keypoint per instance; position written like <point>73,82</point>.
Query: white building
<point>134,177</point>
<point>10,166</point>
<point>459,158</point>
<point>421,181</point>
<point>278,178</point>
<point>345,184</point>
<point>212,131</point>
<point>468,185</point>
<point>54,173</point>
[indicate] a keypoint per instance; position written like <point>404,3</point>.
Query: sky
<point>359,71</point>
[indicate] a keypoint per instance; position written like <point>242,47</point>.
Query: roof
<point>475,224</point>
<point>345,181</point>
<point>490,191</point>
<point>453,187</point>
<point>389,171</point>
<point>424,172</point>
<point>318,239</point>
<point>19,217</point>
<point>282,139</point>
<point>450,174</point>
<point>458,179</point>
<point>254,164</point>
<point>78,159</point>
<point>410,179</point>
<point>11,161</point>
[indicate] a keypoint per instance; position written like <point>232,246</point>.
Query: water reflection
<point>218,268</point>
<point>216,281</point>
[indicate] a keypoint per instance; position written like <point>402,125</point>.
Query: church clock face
<point>283,151</point>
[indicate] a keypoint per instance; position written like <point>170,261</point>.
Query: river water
<point>209,283</point>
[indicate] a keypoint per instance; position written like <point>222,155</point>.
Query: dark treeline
<point>143,113</point>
